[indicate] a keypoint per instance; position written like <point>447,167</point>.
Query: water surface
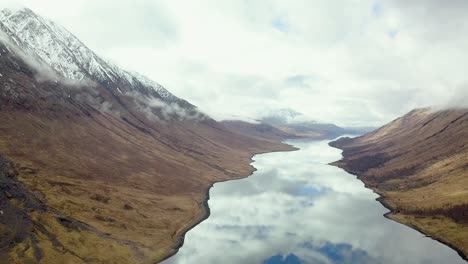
<point>297,209</point>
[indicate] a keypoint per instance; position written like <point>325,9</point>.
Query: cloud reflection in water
<point>298,209</point>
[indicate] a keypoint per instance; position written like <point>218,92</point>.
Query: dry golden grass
<point>136,193</point>
<point>419,164</point>
<point>442,228</point>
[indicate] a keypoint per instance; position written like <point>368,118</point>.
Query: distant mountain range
<point>295,123</point>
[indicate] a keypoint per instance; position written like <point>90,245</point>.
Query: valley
<point>100,164</point>
<point>101,160</point>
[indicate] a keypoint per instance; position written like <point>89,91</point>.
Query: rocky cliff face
<point>99,165</point>
<point>419,164</point>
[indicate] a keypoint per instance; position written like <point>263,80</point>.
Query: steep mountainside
<point>57,48</point>
<point>419,165</point>
<point>98,165</point>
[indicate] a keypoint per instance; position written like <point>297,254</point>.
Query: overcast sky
<point>351,62</point>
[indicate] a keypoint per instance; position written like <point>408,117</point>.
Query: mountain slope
<point>419,165</point>
<point>97,167</point>
<point>70,58</point>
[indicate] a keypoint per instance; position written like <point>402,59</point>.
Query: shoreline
<point>381,200</point>
<point>180,239</point>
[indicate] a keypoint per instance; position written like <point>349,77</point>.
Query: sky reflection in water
<point>296,209</point>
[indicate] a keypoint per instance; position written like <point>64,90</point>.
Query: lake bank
<point>294,205</point>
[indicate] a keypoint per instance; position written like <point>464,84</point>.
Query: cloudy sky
<point>353,62</point>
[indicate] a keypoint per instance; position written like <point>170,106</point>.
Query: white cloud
<point>370,60</point>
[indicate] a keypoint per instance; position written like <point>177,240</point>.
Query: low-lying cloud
<point>154,108</point>
<point>157,109</point>
<point>335,61</point>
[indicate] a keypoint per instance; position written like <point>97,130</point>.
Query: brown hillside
<point>83,183</point>
<point>419,165</point>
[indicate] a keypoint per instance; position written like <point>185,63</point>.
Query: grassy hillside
<point>419,165</point>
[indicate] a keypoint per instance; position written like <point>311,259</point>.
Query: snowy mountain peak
<point>70,58</point>
<point>280,116</point>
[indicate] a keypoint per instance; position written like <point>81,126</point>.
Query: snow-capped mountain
<point>279,116</point>
<point>56,47</point>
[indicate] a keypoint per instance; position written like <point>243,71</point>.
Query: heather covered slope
<point>93,174</point>
<point>419,164</point>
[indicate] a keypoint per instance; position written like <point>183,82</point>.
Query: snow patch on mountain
<point>70,58</point>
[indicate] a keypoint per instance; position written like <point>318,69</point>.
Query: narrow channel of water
<point>297,209</point>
